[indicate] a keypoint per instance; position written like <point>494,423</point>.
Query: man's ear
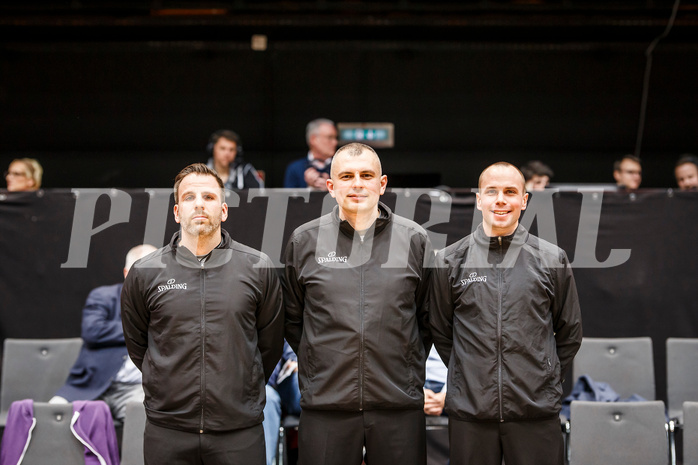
<point>525,201</point>
<point>330,187</point>
<point>176,213</point>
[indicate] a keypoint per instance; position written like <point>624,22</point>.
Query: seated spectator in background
<point>225,149</point>
<point>435,384</point>
<point>537,175</point>
<point>103,370</point>
<point>24,175</point>
<point>628,172</point>
<point>314,169</point>
<point>686,172</point>
<point>434,400</point>
<point>283,397</point>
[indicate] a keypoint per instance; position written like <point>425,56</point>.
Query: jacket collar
<point>385,216</point>
<point>219,255</point>
<point>517,239</point>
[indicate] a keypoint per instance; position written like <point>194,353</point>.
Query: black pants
<point>337,438</point>
<point>164,446</point>
<point>518,442</point>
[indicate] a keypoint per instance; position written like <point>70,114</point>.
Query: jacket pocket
<point>251,389</point>
<point>552,367</point>
<point>409,369</point>
<point>305,367</point>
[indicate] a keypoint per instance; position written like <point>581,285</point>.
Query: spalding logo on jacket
<point>473,278</point>
<point>171,285</point>
<point>332,258</point>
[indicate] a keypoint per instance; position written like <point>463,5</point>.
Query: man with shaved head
<point>505,318</point>
<point>355,291</point>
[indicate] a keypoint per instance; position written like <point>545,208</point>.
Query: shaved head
<point>354,150</point>
<point>499,166</point>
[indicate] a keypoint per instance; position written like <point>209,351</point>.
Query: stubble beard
<point>202,230</point>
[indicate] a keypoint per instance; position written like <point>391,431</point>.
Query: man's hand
<point>315,179</point>
<point>290,366</point>
<point>434,402</point>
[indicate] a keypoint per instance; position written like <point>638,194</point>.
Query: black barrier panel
<point>634,255</point>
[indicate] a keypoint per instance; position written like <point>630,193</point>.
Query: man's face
<point>687,176</point>
<point>356,183</point>
<point>629,175</point>
<point>323,143</point>
<point>18,178</point>
<point>200,208</point>
<point>537,183</point>
<point>501,198</point>
<point>224,151</point>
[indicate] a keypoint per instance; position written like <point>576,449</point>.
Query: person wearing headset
<point>225,151</point>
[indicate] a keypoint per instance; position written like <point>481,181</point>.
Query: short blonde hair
<point>33,169</point>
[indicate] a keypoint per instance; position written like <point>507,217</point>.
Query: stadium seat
<point>35,369</point>
<point>618,433</point>
<point>626,364</point>
<point>132,440</point>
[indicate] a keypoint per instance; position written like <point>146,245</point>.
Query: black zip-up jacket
<point>505,319</point>
<point>355,312</point>
<point>205,335</point>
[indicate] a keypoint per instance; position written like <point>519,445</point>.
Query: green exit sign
<point>379,135</point>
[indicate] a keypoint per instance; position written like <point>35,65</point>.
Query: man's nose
<point>357,181</point>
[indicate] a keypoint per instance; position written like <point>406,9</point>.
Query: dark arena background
<point>115,97</point>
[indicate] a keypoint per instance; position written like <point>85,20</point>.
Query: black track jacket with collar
<point>505,319</point>
<point>356,313</point>
<point>205,335</point>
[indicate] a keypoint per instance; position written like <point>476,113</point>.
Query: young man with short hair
<point>505,319</point>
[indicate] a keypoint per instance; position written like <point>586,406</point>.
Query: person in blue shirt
<point>103,370</point>
<point>314,169</point>
<point>283,397</point>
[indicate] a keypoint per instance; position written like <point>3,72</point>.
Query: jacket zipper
<point>203,345</point>
<point>361,331</point>
<point>499,333</point>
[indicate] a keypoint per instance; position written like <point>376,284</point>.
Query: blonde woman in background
<point>24,175</point>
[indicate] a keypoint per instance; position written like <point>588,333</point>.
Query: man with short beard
<point>203,321</point>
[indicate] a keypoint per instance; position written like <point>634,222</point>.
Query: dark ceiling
<point>484,20</point>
